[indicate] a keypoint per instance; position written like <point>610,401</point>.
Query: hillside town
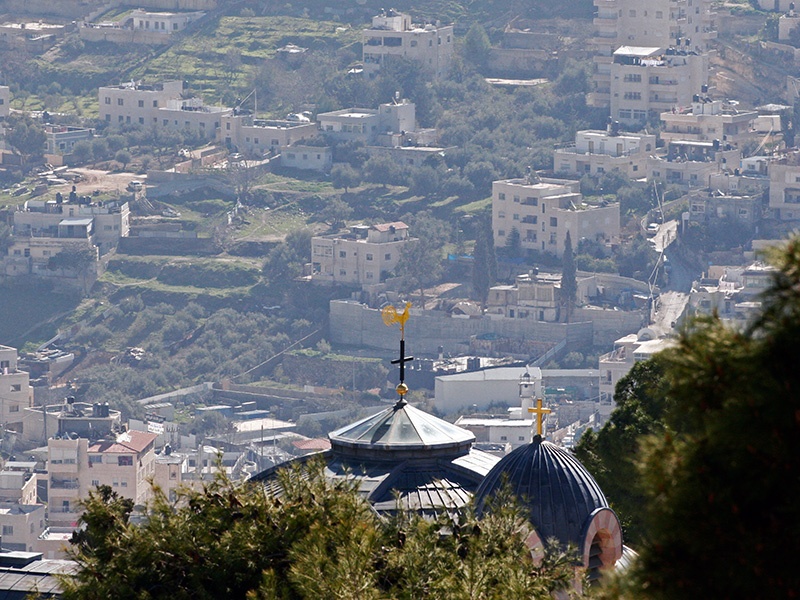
<point>209,215</point>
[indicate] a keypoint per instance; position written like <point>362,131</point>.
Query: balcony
<point>63,485</point>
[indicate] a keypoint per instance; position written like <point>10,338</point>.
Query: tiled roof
<point>388,226</point>
<point>126,443</point>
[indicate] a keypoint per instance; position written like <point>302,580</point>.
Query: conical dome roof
<point>398,431</point>
<point>559,493</point>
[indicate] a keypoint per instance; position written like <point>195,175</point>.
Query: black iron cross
<point>402,360</point>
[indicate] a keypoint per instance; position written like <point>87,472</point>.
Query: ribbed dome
<point>400,430</point>
<point>558,491</point>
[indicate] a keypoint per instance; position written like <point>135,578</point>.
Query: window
<point>633,77</point>
<point>387,257</point>
<point>166,122</point>
<point>13,408</point>
<point>501,233</point>
<point>342,254</point>
<point>369,256</point>
<point>155,103</point>
<point>369,275</point>
<point>16,387</point>
<point>8,530</point>
<point>120,102</point>
<point>503,438</point>
<point>633,95</point>
<point>95,482</point>
<point>108,100</point>
<point>141,103</point>
<point>659,14</point>
<point>125,461</point>
<point>342,273</point>
<point>553,222</point>
<point>624,114</point>
<point>516,199</point>
<point>501,215</point>
<point>516,217</point>
<point>501,196</point>
<point>141,120</point>
<point>532,201</point>
<point>413,43</point>
<point>521,438</point>
<point>124,483</point>
<point>95,458</point>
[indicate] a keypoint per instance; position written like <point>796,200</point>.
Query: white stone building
<point>627,351</point>
<point>784,187</point>
<point>361,257</point>
<point>243,133</point>
<point>160,105</point>
<point>393,34</point>
<point>646,81</point>
<point>163,22</point>
<point>542,213</point>
<point>514,429</point>
<point>597,152</point>
<point>686,24</point>
<point>708,120</point>
<point>693,164</point>
<point>76,465</point>
<point>16,393</point>
<point>21,525</point>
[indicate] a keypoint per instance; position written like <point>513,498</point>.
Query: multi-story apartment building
<point>160,105</point>
<point>259,136</point>
<point>18,486</point>
<point>543,213</point>
<point>135,102</point>
<point>646,23</point>
<point>392,124</point>
<point>596,152</point>
<point>76,465</point>
<point>530,297</point>
<point>21,525</point>
<point>646,81</point>
<point>693,164</point>
<point>784,187</point>
<point>16,393</point>
<point>393,34</point>
<point>43,229</point>
<point>627,351</point>
<point>715,206</point>
<point>363,256</point>
<point>708,120</point>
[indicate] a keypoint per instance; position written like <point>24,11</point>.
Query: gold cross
<point>540,412</point>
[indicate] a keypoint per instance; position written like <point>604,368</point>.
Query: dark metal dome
<point>559,493</point>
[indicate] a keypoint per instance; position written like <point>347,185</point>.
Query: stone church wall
<point>356,324</point>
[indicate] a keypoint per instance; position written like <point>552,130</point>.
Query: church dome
<point>560,494</point>
<point>401,431</point>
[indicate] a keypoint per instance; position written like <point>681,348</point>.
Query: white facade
<point>597,152</point>
<point>21,525</point>
<point>16,393</point>
<point>516,428</point>
<point>627,351</point>
<point>693,164</point>
<point>123,462</point>
<point>393,34</point>
<point>361,257</point>
<point>784,187</point>
<point>313,158</point>
<point>163,22</point>
<point>259,136</point>
<point>543,213</point>
<point>708,120</point>
<point>160,105</point>
<point>686,24</point>
<point>646,81</point>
